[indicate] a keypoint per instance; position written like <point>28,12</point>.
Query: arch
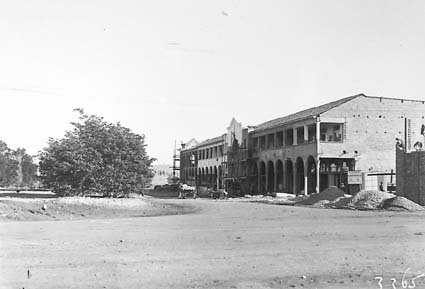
<point>197,177</point>
<point>299,176</point>
<point>279,176</point>
<point>311,175</point>
<point>211,178</point>
<point>206,177</point>
<point>216,181</point>
<point>203,177</point>
<point>254,179</point>
<point>220,177</point>
<point>289,177</point>
<point>262,178</point>
<point>270,177</point>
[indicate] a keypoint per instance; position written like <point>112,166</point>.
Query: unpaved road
<point>224,245</point>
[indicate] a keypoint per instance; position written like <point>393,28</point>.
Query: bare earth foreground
<point>220,244</point>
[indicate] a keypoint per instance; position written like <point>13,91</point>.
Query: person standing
<point>381,187</point>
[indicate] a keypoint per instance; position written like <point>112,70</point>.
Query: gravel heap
<point>324,197</point>
<point>335,198</point>
<point>401,204</point>
<point>340,203</point>
<point>369,200</point>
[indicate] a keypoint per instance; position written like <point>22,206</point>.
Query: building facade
<point>313,149</point>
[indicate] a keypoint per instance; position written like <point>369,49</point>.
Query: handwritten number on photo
<point>404,283</point>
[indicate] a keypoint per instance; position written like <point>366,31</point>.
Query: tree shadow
<point>28,195</point>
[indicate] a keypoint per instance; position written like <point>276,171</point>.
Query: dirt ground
<point>31,206</point>
<point>221,244</point>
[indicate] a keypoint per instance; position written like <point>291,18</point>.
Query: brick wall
<point>411,175</point>
<point>371,125</point>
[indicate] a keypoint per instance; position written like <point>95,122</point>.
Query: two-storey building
<point>315,148</point>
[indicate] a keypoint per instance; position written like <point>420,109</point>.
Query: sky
<point>174,70</point>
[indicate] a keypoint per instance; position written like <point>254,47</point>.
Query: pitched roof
<point>304,113</point>
<point>211,141</point>
<point>191,143</point>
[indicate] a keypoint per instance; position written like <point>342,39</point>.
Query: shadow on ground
<point>28,195</point>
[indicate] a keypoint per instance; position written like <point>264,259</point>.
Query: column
<point>318,155</point>
<point>259,177</point>
<point>305,178</point>
<point>284,176</point>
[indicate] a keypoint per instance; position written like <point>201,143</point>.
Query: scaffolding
<point>176,166</point>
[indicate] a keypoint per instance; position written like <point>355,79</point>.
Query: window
<point>255,142</point>
<point>270,138</point>
<point>262,142</point>
<point>300,134</point>
<point>279,139</point>
<point>312,133</point>
<point>289,139</point>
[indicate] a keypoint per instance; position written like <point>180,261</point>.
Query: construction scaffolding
<point>176,166</point>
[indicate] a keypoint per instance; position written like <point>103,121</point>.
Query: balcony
<point>331,132</point>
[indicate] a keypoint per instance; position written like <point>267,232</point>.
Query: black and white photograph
<point>224,144</point>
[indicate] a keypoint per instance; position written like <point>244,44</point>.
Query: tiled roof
<point>189,145</point>
<point>305,113</point>
<point>211,141</point>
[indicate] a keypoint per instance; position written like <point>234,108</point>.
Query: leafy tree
<point>27,170</point>
<point>96,157</point>
<point>17,168</point>
<point>8,166</point>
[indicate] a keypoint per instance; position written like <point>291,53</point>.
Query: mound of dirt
<point>369,200</point>
<point>340,203</point>
<point>64,208</point>
<point>401,204</point>
<point>329,194</point>
<point>321,204</point>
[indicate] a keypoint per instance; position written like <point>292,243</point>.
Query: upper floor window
<point>262,142</point>
<point>255,142</point>
<point>300,134</point>
<point>270,140</point>
<point>331,132</point>
<point>311,132</point>
<point>279,139</point>
<point>289,137</point>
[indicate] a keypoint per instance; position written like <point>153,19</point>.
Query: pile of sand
<point>369,200</point>
<point>329,194</point>
<point>321,204</point>
<point>401,204</point>
<point>65,208</point>
<point>340,203</point>
<point>135,202</point>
